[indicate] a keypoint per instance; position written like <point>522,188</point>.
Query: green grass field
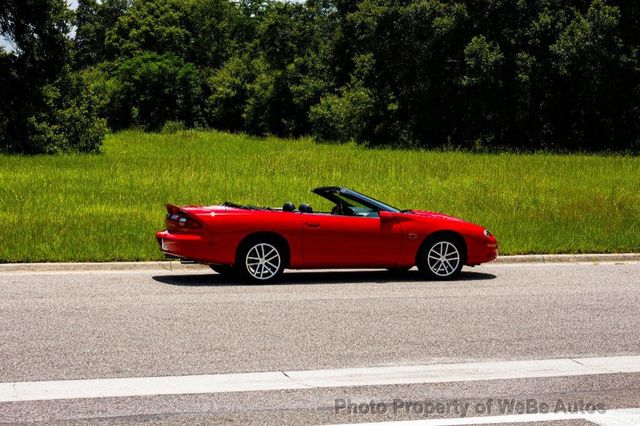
<point>107,207</point>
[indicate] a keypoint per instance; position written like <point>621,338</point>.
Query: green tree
<point>229,92</point>
<point>217,29</point>
<point>430,73</point>
<point>152,89</point>
<point>483,94</point>
<point>93,19</point>
<point>597,77</point>
<point>45,107</point>
<point>343,117</point>
<point>546,74</point>
<point>150,26</point>
<point>415,53</point>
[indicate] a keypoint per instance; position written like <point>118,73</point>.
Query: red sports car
<point>358,232</point>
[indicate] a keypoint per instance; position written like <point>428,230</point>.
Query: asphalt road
<point>98,325</point>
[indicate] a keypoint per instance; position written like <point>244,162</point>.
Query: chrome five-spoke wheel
<point>263,261</point>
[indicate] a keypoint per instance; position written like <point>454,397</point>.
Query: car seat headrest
<point>305,208</point>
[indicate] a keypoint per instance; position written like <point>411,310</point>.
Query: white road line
<point>619,417</point>
<point>277,380</point>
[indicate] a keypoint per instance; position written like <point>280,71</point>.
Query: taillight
<point>179,221</point>
<point>184,221</point>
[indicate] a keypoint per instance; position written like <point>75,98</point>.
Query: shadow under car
<point>304,277</point>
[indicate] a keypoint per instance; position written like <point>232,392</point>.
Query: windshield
<point>362,199</point>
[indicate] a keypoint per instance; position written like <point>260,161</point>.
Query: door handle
<point>312,225</point>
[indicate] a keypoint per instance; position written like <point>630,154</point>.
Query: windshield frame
<point>337,194</point>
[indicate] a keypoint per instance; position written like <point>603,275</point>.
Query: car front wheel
<point>261,261</point>
<point>441,259</point>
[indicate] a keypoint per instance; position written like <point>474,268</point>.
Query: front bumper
<point>481,250</point>
<point>491,251</point>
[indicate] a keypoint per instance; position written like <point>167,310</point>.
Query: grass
<point>107,207</point>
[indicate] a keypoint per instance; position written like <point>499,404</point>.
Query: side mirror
<point>385,216</point>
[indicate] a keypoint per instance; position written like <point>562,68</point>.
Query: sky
<point>9,46</point>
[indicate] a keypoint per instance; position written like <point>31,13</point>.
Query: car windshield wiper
<point>406,211</point>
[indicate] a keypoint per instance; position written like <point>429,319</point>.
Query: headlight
<point>487,233</point>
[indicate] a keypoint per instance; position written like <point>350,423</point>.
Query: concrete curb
<point>177,266</point>
<point>100,266</point>
<point>568,258</point>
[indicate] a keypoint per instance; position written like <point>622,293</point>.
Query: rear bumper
<point>184,246</point>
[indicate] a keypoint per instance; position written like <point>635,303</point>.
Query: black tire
<point>441,258</point>
<point>261,260</point>
<point>227,271</point>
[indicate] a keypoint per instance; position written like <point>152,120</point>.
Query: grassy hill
<point>106,207</point>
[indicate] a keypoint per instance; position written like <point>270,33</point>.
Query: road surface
<point>323,347</point>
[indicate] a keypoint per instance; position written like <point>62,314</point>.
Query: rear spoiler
<point>172,209</point>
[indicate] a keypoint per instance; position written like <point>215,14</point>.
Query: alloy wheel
<point>263,261</point>
<point>443,259</point>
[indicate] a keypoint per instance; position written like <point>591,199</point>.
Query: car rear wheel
<point>261,261</point>
<point>441,259</point>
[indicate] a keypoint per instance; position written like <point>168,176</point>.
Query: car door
<point>350,241</point>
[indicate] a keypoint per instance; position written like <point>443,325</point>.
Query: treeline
<point>493,74</point>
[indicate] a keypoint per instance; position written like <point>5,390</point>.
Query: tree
<point>93,19</point>
<point>42,94</point>
<point>561,75</point>
<point>150,26</point>
<point>597,77</point>
<point>229,93</point>
<point>217,29</point>
<point>414,53</point>
<point>152,89</point>
<point>525,75</point>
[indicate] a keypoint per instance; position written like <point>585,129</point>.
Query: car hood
<point>437,215</point>
<point>467,228</point>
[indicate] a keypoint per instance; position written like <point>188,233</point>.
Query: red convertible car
<point>359,232</point>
